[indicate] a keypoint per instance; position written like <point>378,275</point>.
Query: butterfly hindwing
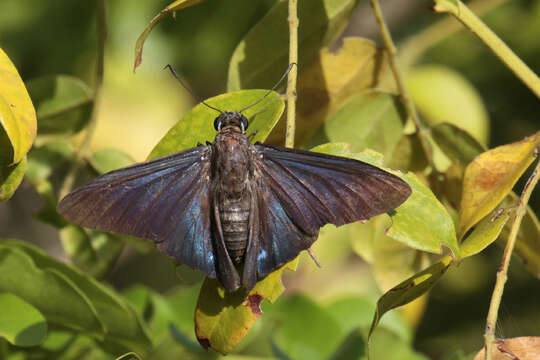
<point>165,200</point>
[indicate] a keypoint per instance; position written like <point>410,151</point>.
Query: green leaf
<point>129,356</point>
<point>409,290</point>
<point>306,330</point>
<point>171,8</point>
<point>93,252</point>
<point>17,114</point>
<point>69,298</point>
<point>43,161</point>
<point>421,222</point>
<point>222,319</point>
<point>197,126</point>
<point>443,95</point>
<point>486,232</point>
<point>109,159</point>
<point>21,324</point>
<point>50,291</point>
<point>412,288</point>
<point>456,143</point>
<point>63,103</point>
<point>261,57</point>
<point>490,177</point>
<point>528,237</point>
<point>370,119</point>
<point>330,79</point>
<point>10,178</point>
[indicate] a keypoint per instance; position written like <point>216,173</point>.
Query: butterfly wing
<point>304,191</point>
<point>165,200</point>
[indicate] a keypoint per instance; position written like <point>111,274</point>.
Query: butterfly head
<point>231,119</point>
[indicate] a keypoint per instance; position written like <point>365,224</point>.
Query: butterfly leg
<point>226,272</point>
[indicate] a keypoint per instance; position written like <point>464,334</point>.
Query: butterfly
<point>232,209</point>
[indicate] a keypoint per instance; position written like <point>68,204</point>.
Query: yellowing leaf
<point>171,8</point>
<point>223,319</point>
<point>331,78</point>
<point>10,179</point>
<point>17,114</point>
<point>490,177</point>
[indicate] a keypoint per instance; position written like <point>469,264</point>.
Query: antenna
<point>275,86</point>
<point>185,87</point>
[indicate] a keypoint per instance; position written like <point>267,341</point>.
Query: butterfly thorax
<point>233,169</point>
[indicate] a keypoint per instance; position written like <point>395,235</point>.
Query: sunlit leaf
<point>63,103</point>
<point>369,119</point>
<point>21,324</point>
<point>327,81</point>
<point>17,114</point>
<point>261,57</point>
<point>10,178</point>
<point>443,95</point>
<point>170,9</point>
<point>197,126</point>
<point>484,234</point>
<point>522,348</point>
<point>223,319</point>
<point>490,177</point>
<point>421,222</point>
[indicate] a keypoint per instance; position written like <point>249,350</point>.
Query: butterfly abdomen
<point>234,216</point>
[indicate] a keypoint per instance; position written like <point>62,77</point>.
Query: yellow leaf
<point>490,177</point>
<point>17,114</point>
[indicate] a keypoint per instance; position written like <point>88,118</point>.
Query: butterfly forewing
<point>301,191</point>
<point>165,200</point>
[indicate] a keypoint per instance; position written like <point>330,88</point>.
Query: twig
<point>499,48</point>
<point>291,80</point>
<point>415,46</point>
<point>403,92</point>
<point>98,83</point>
<point>489,335</point>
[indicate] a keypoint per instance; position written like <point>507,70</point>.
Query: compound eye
<point>217,123</point>
<point>244,123</point>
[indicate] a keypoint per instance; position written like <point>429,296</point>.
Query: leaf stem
<point>489,335</point>
<point>98,83</point>
<point>488,37</point>
<point>400,82</point>
<point>291,80</point>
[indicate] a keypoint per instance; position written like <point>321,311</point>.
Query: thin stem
<point>402,88</point>
<point>499,48</point>
<point>98,83</point>
<point>489,335</point>
<point>415,46</point>
<point>291,80</point>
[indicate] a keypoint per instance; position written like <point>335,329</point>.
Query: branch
<point>291,80</point>
<point>402,88</point>
<point>489,335</point>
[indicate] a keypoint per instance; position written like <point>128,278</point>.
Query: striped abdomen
<point>234,216</point>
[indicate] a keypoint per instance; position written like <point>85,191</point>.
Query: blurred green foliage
<point>143,303</point>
